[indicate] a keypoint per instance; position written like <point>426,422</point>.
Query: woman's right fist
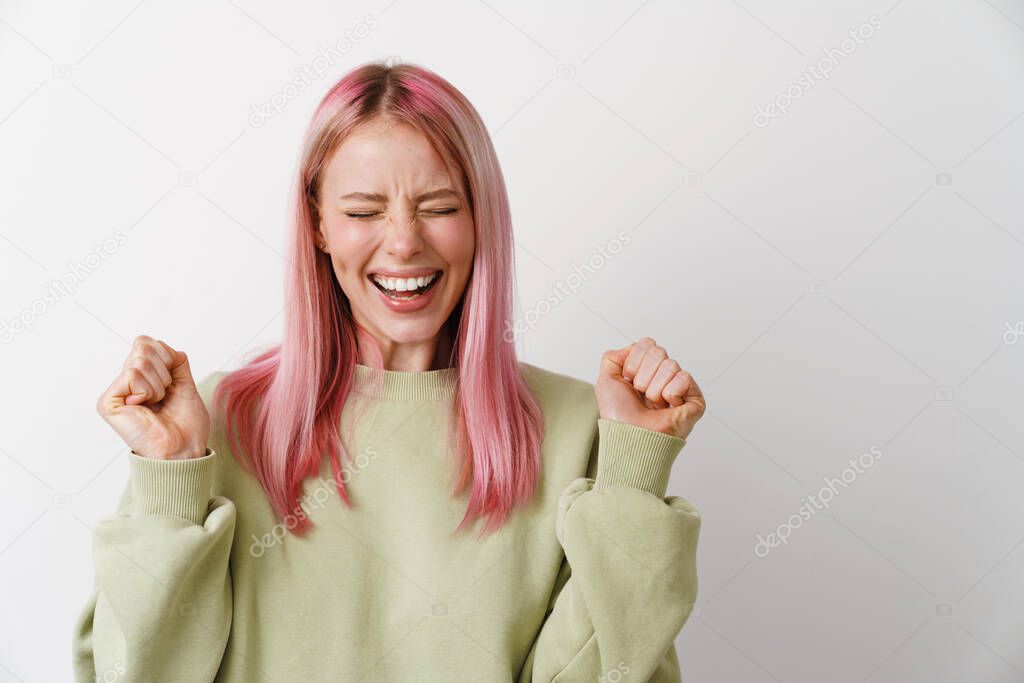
<point>154,404</point>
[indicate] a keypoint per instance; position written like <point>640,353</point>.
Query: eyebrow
<point>426,196</point>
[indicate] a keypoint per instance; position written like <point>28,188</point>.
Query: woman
<point>230,558</point>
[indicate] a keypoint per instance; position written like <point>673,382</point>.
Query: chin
<point>410,332</point>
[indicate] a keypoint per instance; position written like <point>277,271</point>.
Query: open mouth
<point>405,289</point>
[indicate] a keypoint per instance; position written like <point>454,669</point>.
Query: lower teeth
<point>402,296</point>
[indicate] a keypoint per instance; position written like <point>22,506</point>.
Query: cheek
<point>456,244</point>
<point>350,239</point>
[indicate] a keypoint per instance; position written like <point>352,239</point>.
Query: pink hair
<point>283,409</point>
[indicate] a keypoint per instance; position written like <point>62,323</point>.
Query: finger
<point>676,389</point>
<point>171,359</point>
<point>611,362</point>
<point>685,417</point>
<point>695,397</point>
<point>162,361</point>
<point>136,388</point>
<point>165,352</point>
<point>144,345</point>
<point>636,355</point>
<point>655,393</point>
<point>648,366</point>
<point>152,355</point>
<point>113,397</point>
<point>161,369</point>
<point>148,367</point>
<point>138,346</point>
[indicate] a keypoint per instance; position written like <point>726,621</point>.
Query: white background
<point>846,277</point>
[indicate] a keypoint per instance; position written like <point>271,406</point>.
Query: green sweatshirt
<point>197,580</point>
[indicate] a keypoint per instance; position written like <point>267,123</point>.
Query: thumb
<point>612,362</point>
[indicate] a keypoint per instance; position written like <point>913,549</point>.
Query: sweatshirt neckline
<point>405,384</point>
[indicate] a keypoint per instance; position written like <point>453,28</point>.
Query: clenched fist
<point>154,404</point>
<point>641,385</point>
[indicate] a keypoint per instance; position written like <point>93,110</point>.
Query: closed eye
<point>365,215</point>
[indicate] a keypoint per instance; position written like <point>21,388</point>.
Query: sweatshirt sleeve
<point>629,577</point>
<point>161,605</point>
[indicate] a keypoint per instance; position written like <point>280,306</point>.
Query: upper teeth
<point>404,284</point>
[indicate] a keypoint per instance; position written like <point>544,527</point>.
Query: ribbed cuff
<point>172,487</point>
<point>628,455</point>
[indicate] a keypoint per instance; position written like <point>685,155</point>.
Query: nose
<point>403,239</point>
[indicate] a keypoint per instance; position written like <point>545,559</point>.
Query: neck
<point>433,354</point>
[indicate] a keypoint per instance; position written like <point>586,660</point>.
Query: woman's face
<point>393,218</point>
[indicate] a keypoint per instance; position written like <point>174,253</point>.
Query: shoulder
<point>207,385</point>
<point>569,407</point>
<point>231,478</point>
<point>210,380</point>
<point>560,395</point>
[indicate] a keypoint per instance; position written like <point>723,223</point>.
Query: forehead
<point>380,156</point>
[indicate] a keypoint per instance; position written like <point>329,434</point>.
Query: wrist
<point>187,453</point>
<point>193,451</point>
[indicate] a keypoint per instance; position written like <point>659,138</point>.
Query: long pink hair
<point>282,410</point>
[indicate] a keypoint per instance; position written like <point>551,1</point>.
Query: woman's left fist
<point>641,385</point>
